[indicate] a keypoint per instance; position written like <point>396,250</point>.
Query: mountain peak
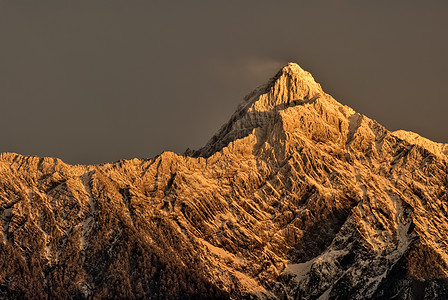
<point>298,78</point>
<point>294,69</point>
<point>290,84</point>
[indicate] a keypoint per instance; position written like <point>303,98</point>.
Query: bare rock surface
<point>296,197</point>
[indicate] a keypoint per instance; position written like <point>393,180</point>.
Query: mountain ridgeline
<point>296,197</point>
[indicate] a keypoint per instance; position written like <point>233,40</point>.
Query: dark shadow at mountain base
<point>318,236</point>
<point>401,284</point>
<point>134,270</point>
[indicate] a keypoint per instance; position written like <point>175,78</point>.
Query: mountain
<point>296,197</point>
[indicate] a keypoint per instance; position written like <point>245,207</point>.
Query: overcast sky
<point>96,81</point>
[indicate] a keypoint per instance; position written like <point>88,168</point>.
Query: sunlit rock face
<point>296,197</point>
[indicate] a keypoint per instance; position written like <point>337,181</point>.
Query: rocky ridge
<point>296,197</point>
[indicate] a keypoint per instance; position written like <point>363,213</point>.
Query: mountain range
<point>296,197</point>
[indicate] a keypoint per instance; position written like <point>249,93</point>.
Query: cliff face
<point>297,197</point>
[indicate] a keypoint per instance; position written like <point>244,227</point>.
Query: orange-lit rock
<point>296,197</point>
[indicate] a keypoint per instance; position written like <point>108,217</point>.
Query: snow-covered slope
<point>440,149</point>
<point>296,197</point>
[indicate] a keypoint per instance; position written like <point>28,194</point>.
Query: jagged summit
<point>291,86</point>
<point>296,73</point>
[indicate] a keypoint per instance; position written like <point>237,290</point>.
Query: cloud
<point>251,69</point>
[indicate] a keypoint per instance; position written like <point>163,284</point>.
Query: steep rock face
<point>297,196</point>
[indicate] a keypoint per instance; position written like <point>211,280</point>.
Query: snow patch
<point>299,271</point>
<point>326,295</point>
<point>85,230</point>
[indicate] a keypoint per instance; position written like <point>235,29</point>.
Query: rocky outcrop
<point>296,197</point>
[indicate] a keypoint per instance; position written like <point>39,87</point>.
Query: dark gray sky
<point>95,81</point>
